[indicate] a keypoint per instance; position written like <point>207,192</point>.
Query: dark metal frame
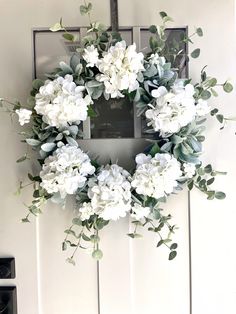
<point>36,31</point>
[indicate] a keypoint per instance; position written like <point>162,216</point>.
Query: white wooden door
<point>134,276</point>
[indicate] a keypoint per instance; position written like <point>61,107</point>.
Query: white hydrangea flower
<point>202,108</point>
<point>66,171</point>
<point>156,59</point>
<point>189,170</point>
<point>157,176</point>
<point>119,68</point>
<point>86,211</point>
<point>139,212</point>
<point>61,102</point>
<point>110,193</point>
<point>160,91</point>
<point>172,111</point>
<point>24,115</point>
<point>91,55</point>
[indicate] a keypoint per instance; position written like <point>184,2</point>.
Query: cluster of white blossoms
<point>110,194</point>
<point>91,55</point>
<point>175,109</point>
<point>119,68</point>
<point>66,171</point>
<point>189,170</point>
<point>156,177</point>
<point>139,212</point>
<point>24,115</point>
<point>202,108</point>
<point>62,102</point>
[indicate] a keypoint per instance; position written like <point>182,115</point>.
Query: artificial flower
<point>62,102</point>
<point>119,69</point>
<point>156,177</point>
<point>139,212</point>
<point>110,192</point>
<point>91,55</point>
<point>172,110</point>
<point>66,171</point>
<point>202,108</point>
<point>24,115</point>
<point>189,170</point>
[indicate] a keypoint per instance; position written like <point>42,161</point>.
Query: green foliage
<point>195,53</point>
<point>70,37</point>
<point>228,87</point>
<point>86,9</point>
<point>199,31</point>
<point>153,29</point>
<point>97,254</point>
<point>57,27</point>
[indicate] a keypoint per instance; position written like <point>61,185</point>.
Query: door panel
<point>64,288</point>
<point>134,276</point>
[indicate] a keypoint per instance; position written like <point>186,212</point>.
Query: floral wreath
<point>175,111</point>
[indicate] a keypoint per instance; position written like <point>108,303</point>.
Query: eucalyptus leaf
<point>97,254</point>
<point>65,68</point>
<point>71,141</point>
<point>172,255</point>
<point>48,147</point>
<point>220,195</point>
<point>228,87</point>
<point>70,37</point>
<point>153,29</point>
<point>195,53</point>
<point>220,118</point>
<point>199,31</point>
<point>32,142</point>
<point>36,84</point>
<point>56,27</point>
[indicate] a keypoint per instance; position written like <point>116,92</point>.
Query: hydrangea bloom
<point>189,170</point>
<point>120,67</point>
<point>173,110</point>
<point>66,171</point>
<point>157,176</point>
<point>24,115</point>
<point>61,102</point>
<point>110,193</point>
<point>139,212</point>
<point>156,59</point>
<point>86,211</point>
<point>202,108</point>
<point>91,56</point>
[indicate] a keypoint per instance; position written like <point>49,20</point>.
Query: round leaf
<point>195,53</point>
<point>228,87</point>
<point>199,31</point>
<point>97,254</point>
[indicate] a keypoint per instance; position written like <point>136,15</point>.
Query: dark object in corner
<point>7,268</point>
<point>8,301</point>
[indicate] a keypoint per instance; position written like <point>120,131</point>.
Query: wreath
<point>175,111</point>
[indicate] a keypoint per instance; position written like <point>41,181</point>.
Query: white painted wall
<point>135,277</point>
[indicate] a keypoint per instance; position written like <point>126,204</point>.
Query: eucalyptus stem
<point>78,243</point>
<point>89,15</point>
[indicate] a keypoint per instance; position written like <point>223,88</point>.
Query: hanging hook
<point>114,15</point>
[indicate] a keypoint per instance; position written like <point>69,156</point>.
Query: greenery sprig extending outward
<point>174,111</point>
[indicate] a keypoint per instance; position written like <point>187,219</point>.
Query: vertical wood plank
<point>64,288</point>
<point>160,285</point>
